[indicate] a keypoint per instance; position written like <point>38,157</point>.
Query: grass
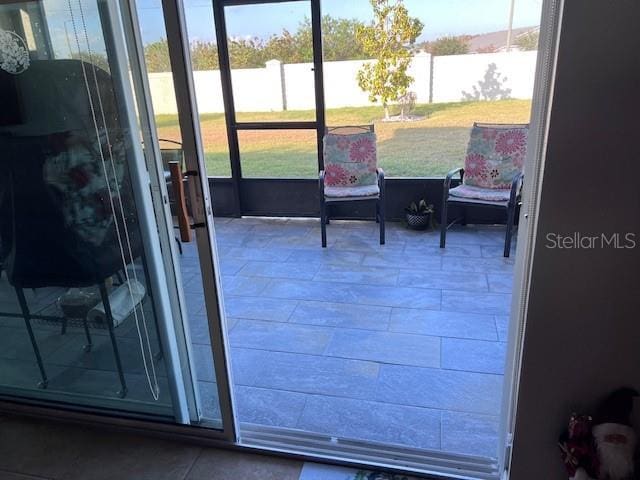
<point>428,147</point>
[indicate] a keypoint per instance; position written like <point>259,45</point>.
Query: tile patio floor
<point>401,343</point>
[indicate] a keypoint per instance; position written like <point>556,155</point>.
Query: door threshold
<point>368,455</point>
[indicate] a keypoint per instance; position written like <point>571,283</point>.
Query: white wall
<point>455,74</point>
<point>582,335</point>
<point>278,87</point>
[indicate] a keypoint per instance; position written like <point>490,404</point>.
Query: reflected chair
<point>492,175</point>
<point>62,210</point>
<point>350,173</point>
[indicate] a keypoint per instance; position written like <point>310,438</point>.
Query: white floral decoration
<point>14,55</point>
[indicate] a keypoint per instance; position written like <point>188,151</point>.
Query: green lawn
<point>428,147</point>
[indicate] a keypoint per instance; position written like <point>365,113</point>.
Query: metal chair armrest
<point>321,183</point>
<point>515,188</point>
<point>380,173</point>
<point>450,175</point>
<point>447,182</point>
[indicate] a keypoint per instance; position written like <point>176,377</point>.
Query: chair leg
<point>89,344</point>
<point>327,214</point>
<point>27,320</point>
<point>378,211</point>
<point>511,213</point>
<point>380,205</point>
<point>323,224</point>
<point>179,245</point>
<point>443,224</point>
<point>109,317</point>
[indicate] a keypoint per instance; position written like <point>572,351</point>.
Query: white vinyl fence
<point>278,86</point>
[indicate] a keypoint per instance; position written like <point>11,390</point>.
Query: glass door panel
<point>86,309</point>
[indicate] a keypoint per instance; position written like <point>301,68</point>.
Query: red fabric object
<point>578,448</point>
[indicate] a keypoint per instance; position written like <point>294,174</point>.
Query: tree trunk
<point>386,112</point>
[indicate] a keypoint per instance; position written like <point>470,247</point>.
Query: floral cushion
<point>350,160</point>
<point>495,155</point>
<point>477,193</point>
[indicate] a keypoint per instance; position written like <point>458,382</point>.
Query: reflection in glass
<point>77,319</point>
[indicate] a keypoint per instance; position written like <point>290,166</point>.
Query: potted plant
<point>419,215</point>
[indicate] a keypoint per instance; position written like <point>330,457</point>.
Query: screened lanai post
<point>318,79</point>
<point>323,210</point>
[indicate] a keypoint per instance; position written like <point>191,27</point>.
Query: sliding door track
<point>422,462</point>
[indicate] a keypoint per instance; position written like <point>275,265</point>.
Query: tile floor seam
<point>383,402</point>
<point>323,355</point>
<point>27,476</point>
<point>306,397</point>
<point>350,328</point>
<point>297,303</point>
<point>193,463</point>
<point>495,322</point>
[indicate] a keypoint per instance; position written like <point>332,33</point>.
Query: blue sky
<point>441,17</point>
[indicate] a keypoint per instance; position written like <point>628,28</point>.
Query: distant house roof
<point>496,41</point>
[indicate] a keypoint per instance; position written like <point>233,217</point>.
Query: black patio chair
<point>350,173</point>
<point>491,178</point>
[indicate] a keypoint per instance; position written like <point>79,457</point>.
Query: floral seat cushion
<point>495,155</point>
<point>350,192</point>
<point>350,160</point>
<point>477,193</point>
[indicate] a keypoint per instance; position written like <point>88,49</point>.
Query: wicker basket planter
<point>418,221</point>
<point>418,215</point>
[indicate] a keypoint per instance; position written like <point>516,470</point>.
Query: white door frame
<point>550,25</point>
<point>173,11</point>
<point>202,211</point>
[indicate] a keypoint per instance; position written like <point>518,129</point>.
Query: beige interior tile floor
<point>32,449</point>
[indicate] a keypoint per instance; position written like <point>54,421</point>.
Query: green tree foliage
<point>388,39</point>
<point>204,56</point>
<point>246,53</point>
<point>156,56</point>
<point>338,38</point>
<point>528,41</point>
<point>448,45</point>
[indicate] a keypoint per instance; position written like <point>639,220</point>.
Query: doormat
<point>317,471</point>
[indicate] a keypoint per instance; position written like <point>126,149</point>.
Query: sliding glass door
<point>91,309</point>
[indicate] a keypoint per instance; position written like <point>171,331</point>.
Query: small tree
<point>387,39</point>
